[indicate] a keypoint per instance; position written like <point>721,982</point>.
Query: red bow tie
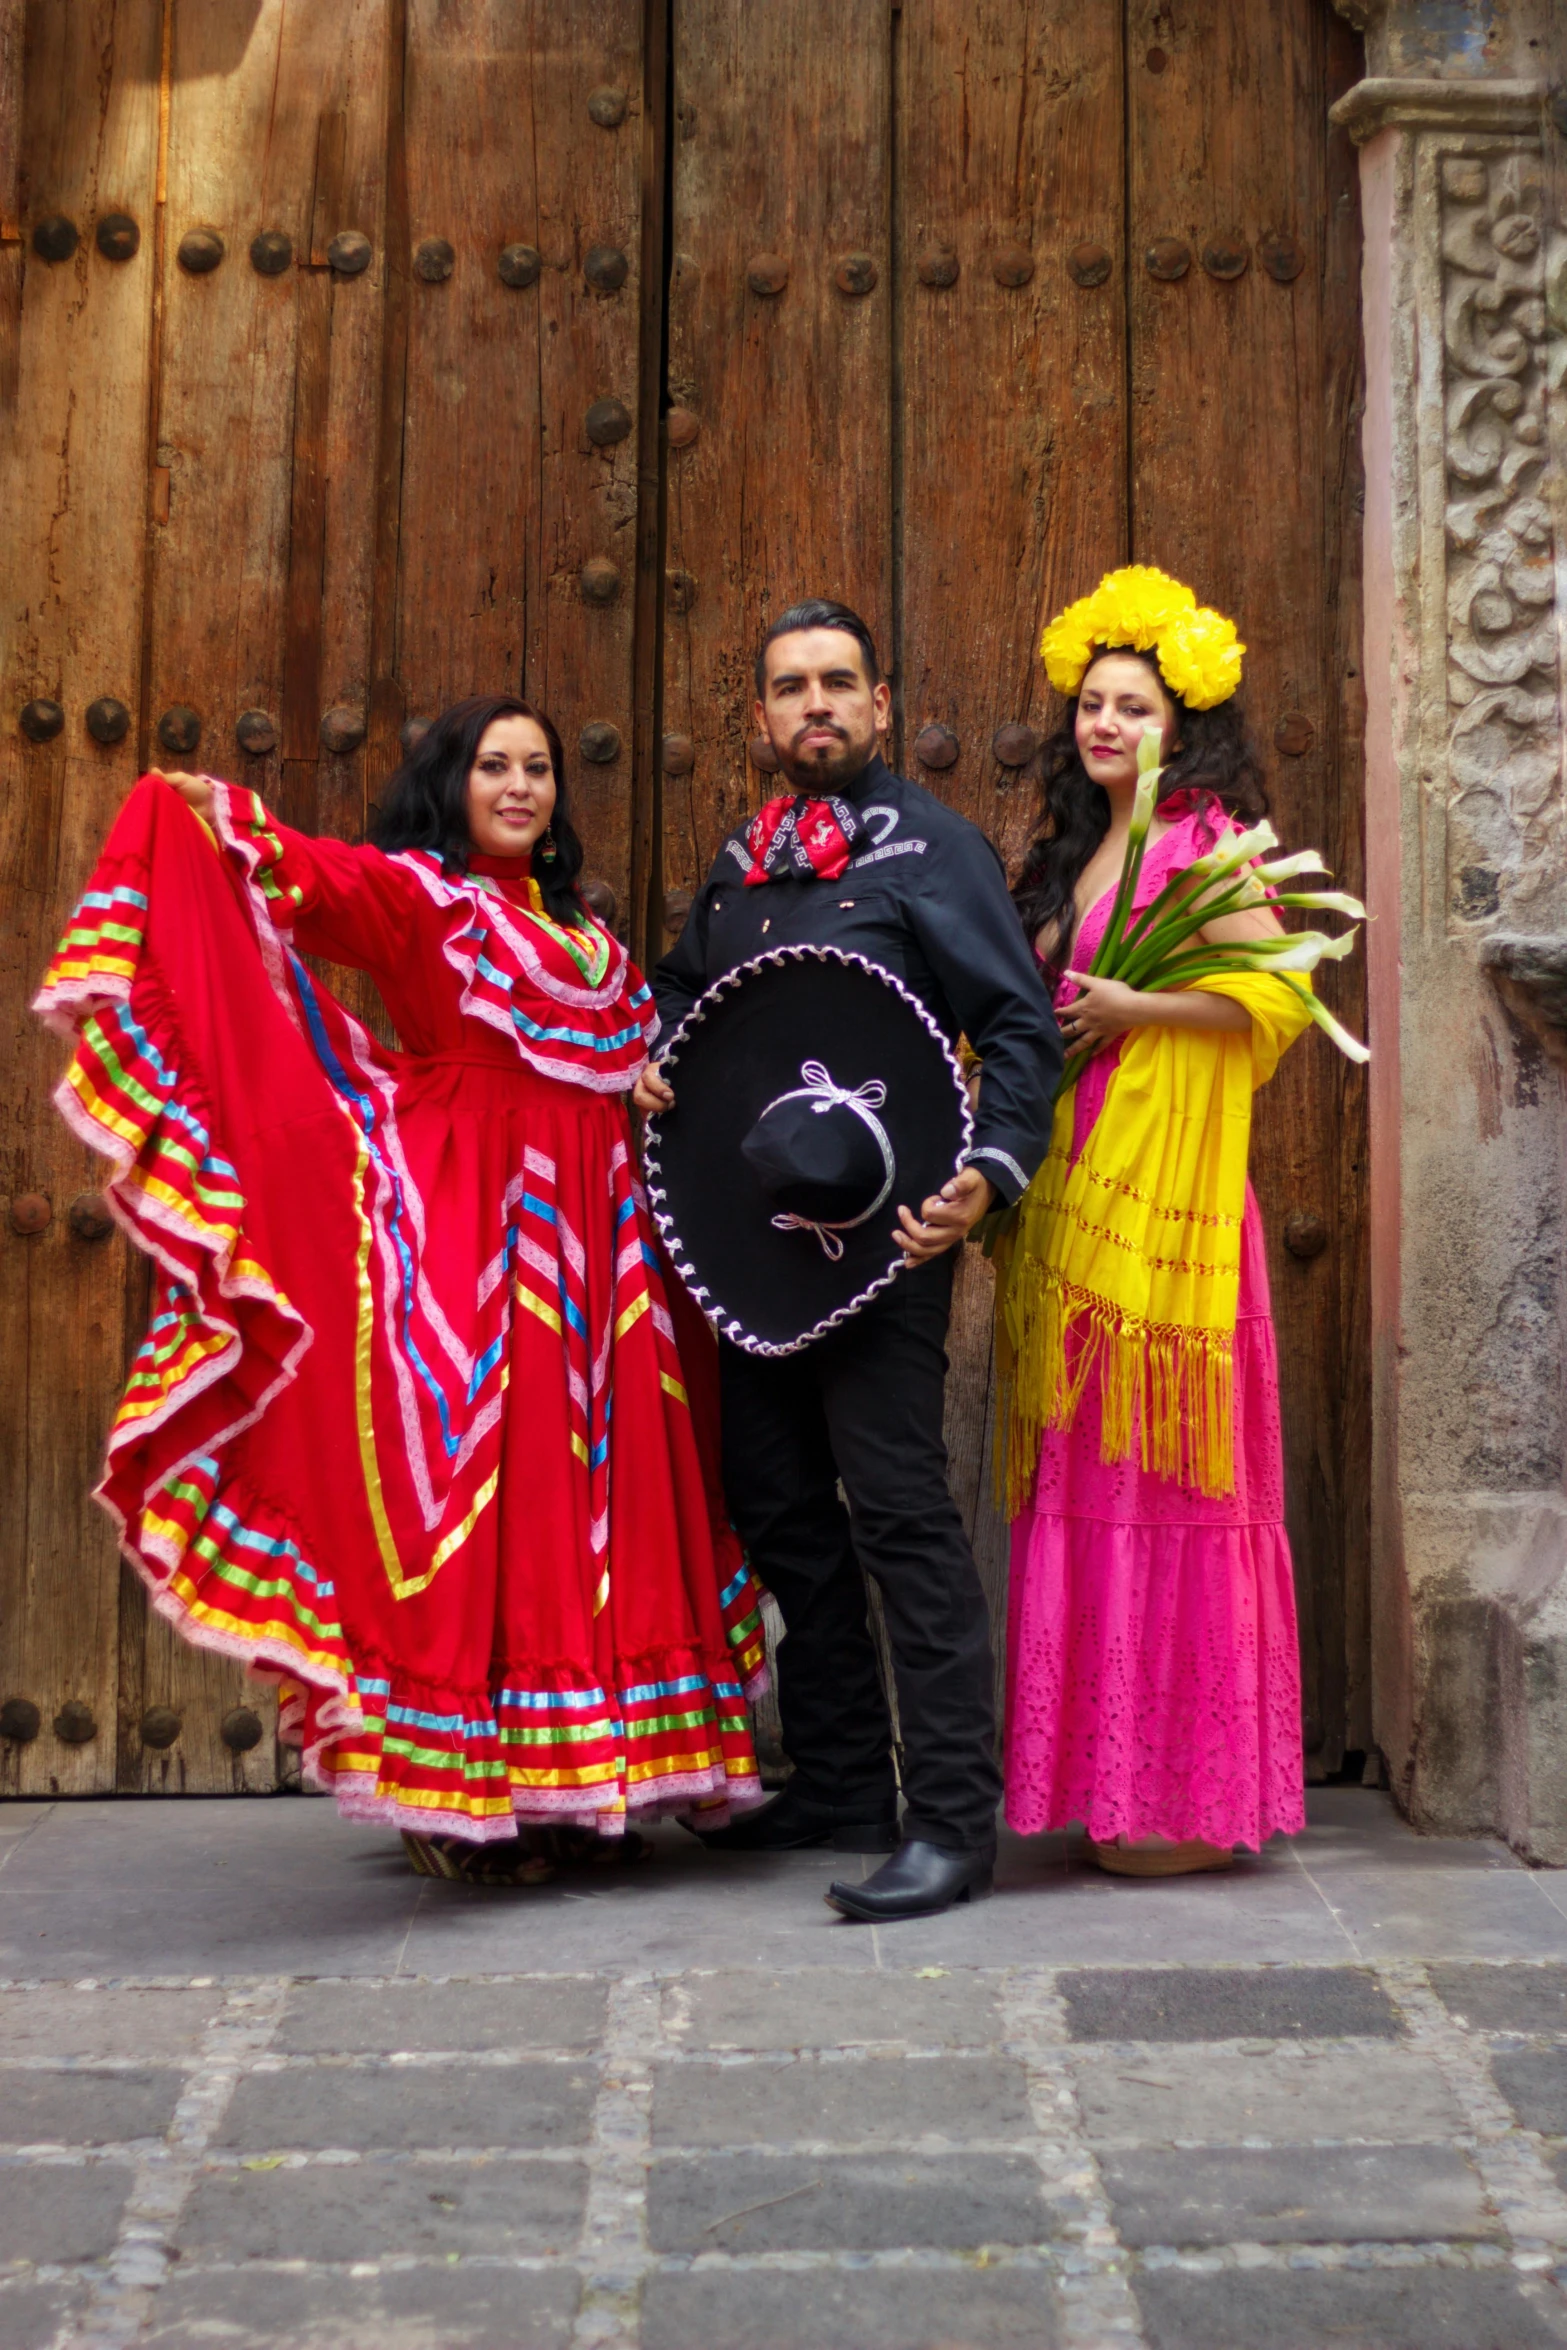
<point>796,839</point>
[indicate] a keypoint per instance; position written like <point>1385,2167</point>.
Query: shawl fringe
<point>1166,1390</point>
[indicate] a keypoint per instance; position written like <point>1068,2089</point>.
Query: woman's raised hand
<point>194,790</point>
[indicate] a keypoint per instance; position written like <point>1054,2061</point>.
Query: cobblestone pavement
<point>260,2086</point>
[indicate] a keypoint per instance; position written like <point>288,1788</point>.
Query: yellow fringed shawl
<point>1128,1261</point>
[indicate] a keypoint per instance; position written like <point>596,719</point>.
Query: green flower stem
<point>1125,890</point>
<point>1156,946</point>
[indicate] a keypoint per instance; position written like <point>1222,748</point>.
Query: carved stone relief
<point>1504,331</point>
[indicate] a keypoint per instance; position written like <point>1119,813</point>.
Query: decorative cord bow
<point>824,1094</point>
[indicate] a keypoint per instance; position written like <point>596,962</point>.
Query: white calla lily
<point>1350,1046</point>
<point>1331,901</point>
<point>1286,868</point>
<point>1240,849</point>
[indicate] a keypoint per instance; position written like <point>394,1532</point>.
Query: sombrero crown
<point>1198,652</point>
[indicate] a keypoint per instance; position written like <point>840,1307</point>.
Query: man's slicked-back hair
<point>818,612</point>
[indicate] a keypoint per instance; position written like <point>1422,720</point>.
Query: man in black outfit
<point>923,894</point>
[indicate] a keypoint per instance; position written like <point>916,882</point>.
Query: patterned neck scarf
<point>799,839</point>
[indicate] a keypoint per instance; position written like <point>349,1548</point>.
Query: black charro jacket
<point>929,903</point>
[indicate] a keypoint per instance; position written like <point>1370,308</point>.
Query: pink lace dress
<point>1153,1673</point>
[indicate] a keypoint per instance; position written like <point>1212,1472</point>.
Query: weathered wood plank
<point>1012,384</point>
<point>1011,423</point>
<point>504,494</point>
<point>642,923</point>
<point>1240,467</point>
<point>781,148</point>
<point>1345,1360</point>
<point>266,405</point>
<point>72,469</point>
<point>13,49</point>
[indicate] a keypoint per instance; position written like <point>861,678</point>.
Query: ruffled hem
<point>1153,1682</point>
<point>549,1745</point>
<point>406,1757</point>
<point>221,1561</point>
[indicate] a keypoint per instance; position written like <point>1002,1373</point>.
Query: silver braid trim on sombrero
<point>719,1315</point>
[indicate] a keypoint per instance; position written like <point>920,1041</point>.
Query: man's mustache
<point>818,726</point>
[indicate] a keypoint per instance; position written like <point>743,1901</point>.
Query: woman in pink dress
<point>1153,1670</point>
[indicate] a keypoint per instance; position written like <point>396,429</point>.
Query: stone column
<point>1462,123</point>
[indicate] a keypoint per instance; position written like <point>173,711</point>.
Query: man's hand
<point>194,790</point>
<point>947,1217</point>
<point>653,1092</point>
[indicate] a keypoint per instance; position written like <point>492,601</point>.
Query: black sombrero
<point>814,1094</point>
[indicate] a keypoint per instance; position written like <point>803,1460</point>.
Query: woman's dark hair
<point>426,802</point>
<point>1217,757</point>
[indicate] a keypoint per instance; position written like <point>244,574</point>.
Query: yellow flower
<point>1135,605</point>
<point>1066,645</point>
<point>1200,658</point>
<point>1198,651</point>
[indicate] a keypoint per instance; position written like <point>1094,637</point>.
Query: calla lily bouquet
<point>1158,950</point>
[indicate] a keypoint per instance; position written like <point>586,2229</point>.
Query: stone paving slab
<point>411,2309</point>
<point>1534,2083</point>
<point>761,2011</point>
<point>856,2203</point>
<point>870,2101</point>
<point>1448,1913</point>
<point>457,2105</point>
<point>370,2019</point>
<point>1226,2003</point>
<point>86,2108</point>
<point>31,2315</point>
<point>66,2021</point>
<point>77,1903</point>
<point>1505,1998</point>
<point>360,2211</point>
<point>830,2309</point>
<point>1345,1835</point>
<point>61,2212</point>
<point>1264,1910</point>
<point>1296,2195</point>
<point>1293,2092</point>
<point>1387,2309</point>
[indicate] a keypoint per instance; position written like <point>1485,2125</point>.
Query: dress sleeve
<point>350,905</point>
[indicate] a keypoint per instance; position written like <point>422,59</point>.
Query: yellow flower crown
<point>1198,651</point>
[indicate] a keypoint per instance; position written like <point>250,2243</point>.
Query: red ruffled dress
<point>409,1430</point>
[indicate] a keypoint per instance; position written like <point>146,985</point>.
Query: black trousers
<point>865,1405</point>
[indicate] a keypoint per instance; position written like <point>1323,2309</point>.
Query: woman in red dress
<point>409,1431</point>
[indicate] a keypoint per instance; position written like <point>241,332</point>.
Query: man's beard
<point>817,771</point>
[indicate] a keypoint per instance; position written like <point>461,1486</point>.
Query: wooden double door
<point>359,354</point>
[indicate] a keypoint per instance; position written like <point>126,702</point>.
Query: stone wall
<point>1463,124</point>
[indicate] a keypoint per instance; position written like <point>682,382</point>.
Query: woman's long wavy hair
<point>1216,755</point>
<point>426,802</point>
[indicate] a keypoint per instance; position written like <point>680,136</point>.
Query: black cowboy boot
<point>794,1821</point>
<point>919,1881</point>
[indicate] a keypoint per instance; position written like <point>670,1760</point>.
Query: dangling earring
<point>547,844</point>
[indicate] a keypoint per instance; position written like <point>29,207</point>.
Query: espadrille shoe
<point>1154,1856</point>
